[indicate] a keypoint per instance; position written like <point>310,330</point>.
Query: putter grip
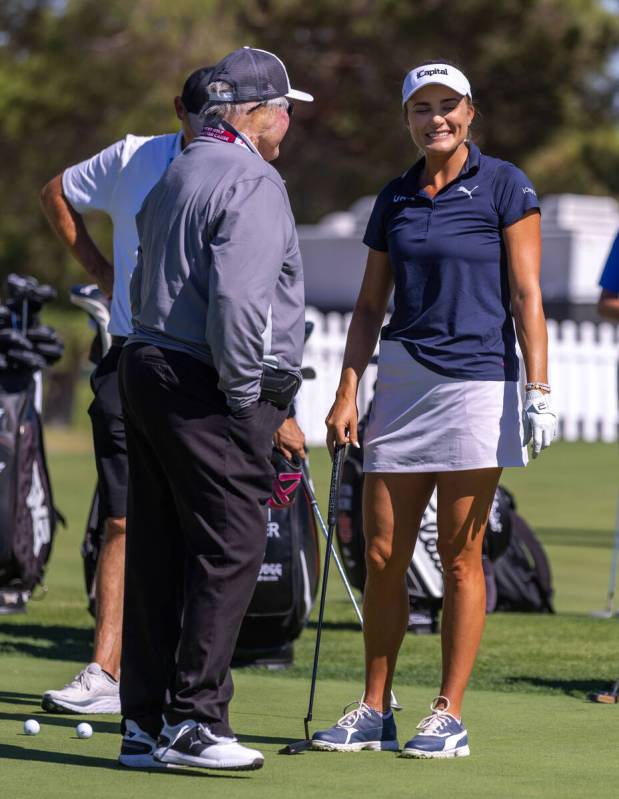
<point>334,489</point>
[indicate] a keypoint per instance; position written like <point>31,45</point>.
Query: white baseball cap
<point>443,74</point>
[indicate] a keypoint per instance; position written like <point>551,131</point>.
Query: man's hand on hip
<point>289,439</point>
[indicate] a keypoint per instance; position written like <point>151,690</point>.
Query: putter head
<point>604,698</point>
<point>296,747</point>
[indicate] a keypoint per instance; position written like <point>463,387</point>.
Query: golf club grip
<point>336,479</point>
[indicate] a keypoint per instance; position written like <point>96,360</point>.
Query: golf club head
<point>602,614</point>
<point>309,329</point>
<point>12,340</point>
<point>296,747</point>
<point>40,295</point>
<point>52,352</point>
<point>92,300</point>
<point>42,333</point>
<point>20,359</point>
<point>604,698</point>
<point>18,286</point>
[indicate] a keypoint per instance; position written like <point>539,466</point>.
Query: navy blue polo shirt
<point>610,275</point>
<point>452,302</point>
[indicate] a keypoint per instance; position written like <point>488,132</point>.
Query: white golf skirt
<point>422,421</point>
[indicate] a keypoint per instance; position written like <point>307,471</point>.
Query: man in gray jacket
<point>206,379</point>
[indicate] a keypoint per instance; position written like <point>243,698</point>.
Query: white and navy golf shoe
<point>191,743</point>
<point>137,747</point>
<point>361,728</point>
<point>440,735</point>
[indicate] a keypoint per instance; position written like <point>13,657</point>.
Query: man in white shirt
<point>114,181</point>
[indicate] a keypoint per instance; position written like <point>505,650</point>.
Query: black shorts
<point>110,443</point>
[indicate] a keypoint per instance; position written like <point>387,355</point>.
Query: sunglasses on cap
<point>289,107</point>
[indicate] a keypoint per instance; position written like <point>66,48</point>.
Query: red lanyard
<point>221,134</point>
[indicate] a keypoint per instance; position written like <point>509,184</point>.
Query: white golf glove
<point>539,421</point>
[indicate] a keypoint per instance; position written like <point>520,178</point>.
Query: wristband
<point>537,386</point>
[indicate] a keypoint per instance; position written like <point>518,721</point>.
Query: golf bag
<point>287,583</point>
<point>521,574</point>
<point>27,515</point>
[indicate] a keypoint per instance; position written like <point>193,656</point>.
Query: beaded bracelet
<point>537,386</point>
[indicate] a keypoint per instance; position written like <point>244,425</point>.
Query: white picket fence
<point>583,368</point>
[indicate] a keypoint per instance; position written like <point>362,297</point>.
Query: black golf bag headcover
<point>27,514</point>
<point>287,583</point>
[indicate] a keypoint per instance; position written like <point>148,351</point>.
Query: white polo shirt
<point>116,181</point>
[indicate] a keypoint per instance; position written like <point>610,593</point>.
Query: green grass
<point>532,733</point>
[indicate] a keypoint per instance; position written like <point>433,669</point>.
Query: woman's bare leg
<point>393,505</point>
<point>464,503</point>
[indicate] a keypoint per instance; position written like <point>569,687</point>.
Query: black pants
<point>108,429</point>
<point>199,479</point>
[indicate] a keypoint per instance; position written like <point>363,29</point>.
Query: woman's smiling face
<point>438,119</point>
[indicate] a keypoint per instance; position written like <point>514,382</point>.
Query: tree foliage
<point>77,75</point>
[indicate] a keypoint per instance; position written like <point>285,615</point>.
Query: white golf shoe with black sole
<point>90,691</point>
<point>193,744</point>
<point>137,748</point>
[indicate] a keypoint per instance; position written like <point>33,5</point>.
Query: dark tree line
<point>76,76</point>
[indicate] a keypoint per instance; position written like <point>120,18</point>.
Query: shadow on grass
<point>16,698</point>
<point>57,642</point>
<point>9,752</point>
<point>350,626</point>
<point>574,688</point>
<point>63,721</point>
<point>576,537</point>
<point>261,739</point>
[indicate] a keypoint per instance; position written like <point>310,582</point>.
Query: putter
<point>314,503</point>
<point>606,697</point>
<point>607,613</point>
<point>334,487</point>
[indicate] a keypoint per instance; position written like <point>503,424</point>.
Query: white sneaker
<point>193,744</point>
<point>136,750</point>
<point>90,691</point>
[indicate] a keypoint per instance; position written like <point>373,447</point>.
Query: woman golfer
<point>457,237</point>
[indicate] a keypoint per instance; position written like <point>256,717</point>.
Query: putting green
<point>531,732</point>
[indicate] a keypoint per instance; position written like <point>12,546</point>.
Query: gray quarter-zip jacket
<point>219,272</point>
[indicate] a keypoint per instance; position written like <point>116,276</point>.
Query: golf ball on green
<point>83,730</point>
<point>32,727</point>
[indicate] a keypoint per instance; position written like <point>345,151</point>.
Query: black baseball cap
<point>195,94</point>
<point>253,75</point>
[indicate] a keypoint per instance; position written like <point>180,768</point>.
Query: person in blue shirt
<point>608,303</point>
<point>457,237</point>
